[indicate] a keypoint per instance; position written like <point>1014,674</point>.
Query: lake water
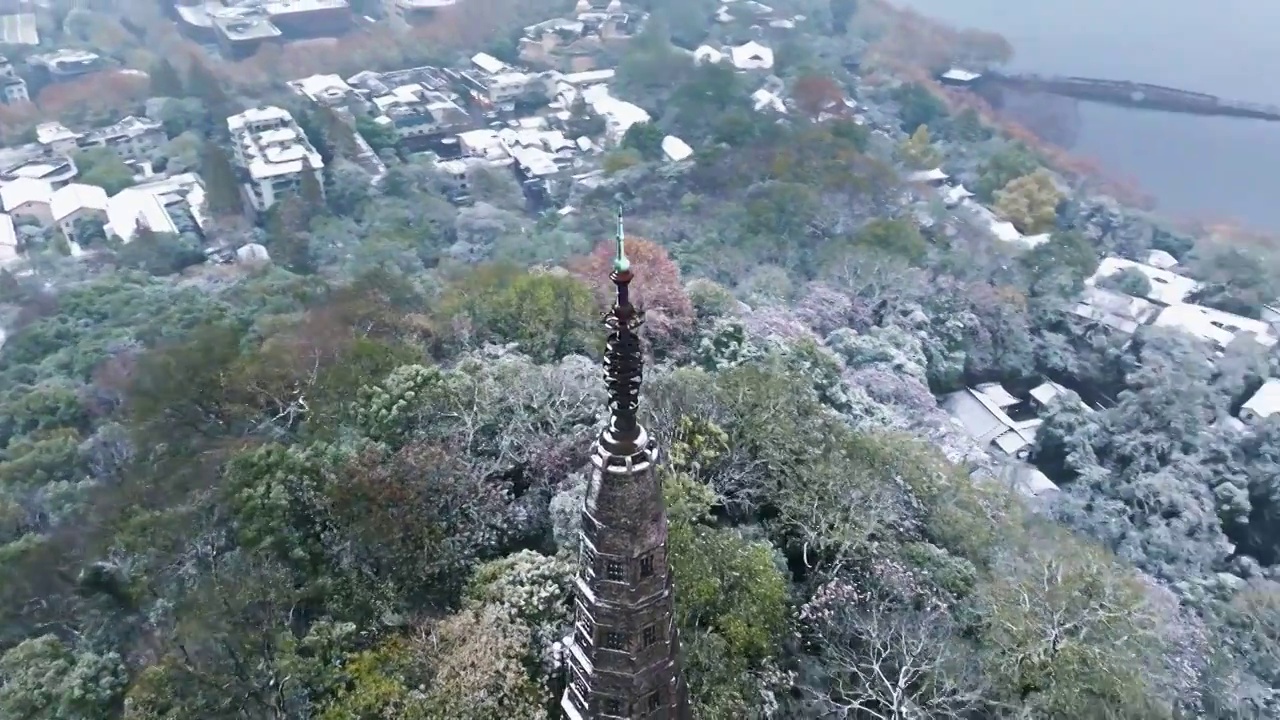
<point>1204,168</point>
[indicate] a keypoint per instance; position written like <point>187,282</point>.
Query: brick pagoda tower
<point>624,656</point>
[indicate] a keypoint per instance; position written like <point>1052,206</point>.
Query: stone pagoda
<point>623,657</point>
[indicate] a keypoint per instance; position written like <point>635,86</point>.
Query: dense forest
<point>344,484</point>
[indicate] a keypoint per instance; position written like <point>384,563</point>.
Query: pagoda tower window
<point>615,641</point>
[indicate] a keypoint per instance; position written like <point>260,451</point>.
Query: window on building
<point>646,566</point>
<point>615,571</point>
<point>615,641</point>
<point>612,706</point>
<point>586,628</point>
<point>655,700</point>
<point>650,636</point>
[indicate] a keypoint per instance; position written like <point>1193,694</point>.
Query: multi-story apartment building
<point>272,154</point>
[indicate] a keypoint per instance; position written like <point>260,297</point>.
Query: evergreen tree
<point>340,136</point>
<point>222,192</point>
<point>202,83</point>
<point>165,80</point>
<point>310,190</point>
<point>287,238</point>
<point>10,288</point>
<point>312,126</point>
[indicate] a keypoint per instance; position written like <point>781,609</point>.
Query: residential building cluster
<point>578,43</point>
<point>1006,422</point>
<point>490,113</point>
<point>1168,301</point>
<point>170,205</point>
<point>493,113</point>
<point>40,191</point>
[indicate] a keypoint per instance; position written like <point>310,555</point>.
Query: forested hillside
<point>345,485</point>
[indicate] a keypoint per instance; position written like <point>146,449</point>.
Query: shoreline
<point>904,25</point>
<point>907,27</point>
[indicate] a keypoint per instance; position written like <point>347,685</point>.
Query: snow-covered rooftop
<point>74,197</point>
<point>619,114</point>
<point>1213,325</point>
<point>927,176</point>
<point>24,190</point>
<point>675,149</point>
<point>322,88</point>
<point>751,56</point>
<point>1265,402</point>
<point>130,209</point>
<point>1167,288</point>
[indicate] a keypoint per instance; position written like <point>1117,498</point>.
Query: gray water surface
<point>1196,167</point>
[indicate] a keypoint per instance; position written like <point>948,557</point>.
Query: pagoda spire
<point>624,653</point>
<point>623,359</point>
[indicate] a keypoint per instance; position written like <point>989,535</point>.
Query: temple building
<point>624,656</point>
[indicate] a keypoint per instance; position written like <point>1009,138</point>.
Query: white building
<point>489,63</point>
<point>983,412</point>
<point>328,90</point>
<point>705,54</point>
<point>1167,288</point>
<point>184,191</point>
<point>589,77</point>
<point>131,210</point>
<point>619,115</point>
<point>675,149</point>
<point>1215,326</point>
<point>1263,404</point>
<point>1003,230</point>
<point>76,202</point>
<point>953,195</point>
<point>410,10</point>
<point>414,110</point>
<point>751,56</point>
<point>274,153</point>
<point>13,89</point>
<point>1161,259</point>
<point>1112,309</point>
<point>29,198</point>
<point>57,138</point>
<point>959,76</point>
<point>483,143</point>
<point>133,138</point>
<point>509,87</point>
<point>764,101</point>
<point>8,240</point>
<point>934,177</point>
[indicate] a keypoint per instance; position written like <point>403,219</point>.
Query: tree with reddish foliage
<point>657,287</point>
<point>816,94</point>
<point>100,92</point>
<point>420,518</point>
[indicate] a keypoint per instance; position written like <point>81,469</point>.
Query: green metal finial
<point>621,263</point>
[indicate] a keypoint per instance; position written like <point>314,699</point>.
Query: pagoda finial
<point>620,262</point>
